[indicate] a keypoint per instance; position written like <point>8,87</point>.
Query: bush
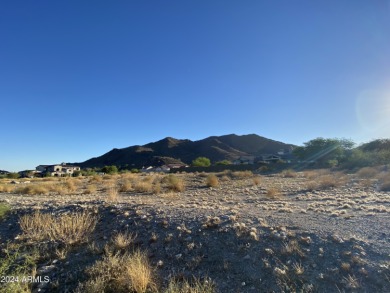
<point>201,162</point>
<point>175,183</point>
<point>212,181</point>
<point>110,169</point>
<point>223,162</point>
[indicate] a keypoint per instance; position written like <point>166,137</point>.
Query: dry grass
<point>196,286</point>
<point>123,240</point>
<point>327,181</point>
<point>289,173</point>
<point>6,188</point>
<point>33,189</point>
<point>175,183</point>
<point>90,188</point>
<point>125,185</point>
<point>212,181</point>
<point>242,174</point>
<point>273,192</point>
<point>367,173</point>
<point>120,273</point>
<point>256,180</point>
<point>143,186</point>
<point>68,228</point>
<point>112,194</point>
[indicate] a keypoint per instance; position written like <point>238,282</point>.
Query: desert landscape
<point>319,230</point>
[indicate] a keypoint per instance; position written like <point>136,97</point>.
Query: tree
<point>110,169</point>
<point>325,151</point>
<point>201,162</point>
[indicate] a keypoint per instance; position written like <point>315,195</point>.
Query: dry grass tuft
<point>175,183</point>
<point>143,186</point>
<point>273,192</point>
<point>125,186</point>
<point>289,173</point>
<point>33,189</point>
<point>112,194</point>
<point>257,180</point>
<point>120,273</point>
<point>6,188</point>
<point>68,228</point>
<point>196,286</point>
<point>90,188</point>
<point>242,174</point>
<point>123,240</point>
<point>212,181</point>
<point>367,173</point>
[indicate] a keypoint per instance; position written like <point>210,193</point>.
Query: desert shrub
<point>123,240</point>
<point>96,178</point>
<point>68,228</point>
<point>289,173</point>
<point>32,189</point>
<point>256,180</point>
<point>273,192</point>
<point>242,174</point>
<point>327,181</point>
<point>91,188</point>
<point>125,186</point>
<point>120,273</point>
<point>6,188</point>
<point>175,183</point>
<point>212,181</point>
<point>143,186</point>
<point>196,286</point>
<point>367,173</point>
<point>201,162</point>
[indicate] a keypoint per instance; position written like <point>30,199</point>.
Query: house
<point>245,160</point>
<point>268,158</point>
<point>58,170</point>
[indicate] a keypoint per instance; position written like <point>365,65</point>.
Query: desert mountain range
<point>171,150</point>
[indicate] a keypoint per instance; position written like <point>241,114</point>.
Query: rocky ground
<point>316,231</point>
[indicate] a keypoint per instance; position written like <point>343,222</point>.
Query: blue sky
<point>78,78</point>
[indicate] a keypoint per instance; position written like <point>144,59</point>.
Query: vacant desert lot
<point>310,231</point>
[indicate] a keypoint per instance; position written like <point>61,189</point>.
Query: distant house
<point>268,158</point>
<point>245,160</point>
<point>58,170</point>
<point>164,168</point>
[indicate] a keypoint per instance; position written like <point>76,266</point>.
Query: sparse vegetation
<point>120,273</point>
<point>68,228</point>
<point>4,210</point>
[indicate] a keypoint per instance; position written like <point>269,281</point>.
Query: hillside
<point>171,150</point>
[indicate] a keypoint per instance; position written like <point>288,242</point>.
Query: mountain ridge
<point>216,148</point>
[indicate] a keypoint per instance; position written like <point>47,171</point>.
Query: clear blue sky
<point>78,78</point>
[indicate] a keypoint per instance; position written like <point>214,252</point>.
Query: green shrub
<point>201,162</point>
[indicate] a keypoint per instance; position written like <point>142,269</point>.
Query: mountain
<point>171,150</point>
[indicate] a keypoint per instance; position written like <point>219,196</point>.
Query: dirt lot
<point>314,231</point>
